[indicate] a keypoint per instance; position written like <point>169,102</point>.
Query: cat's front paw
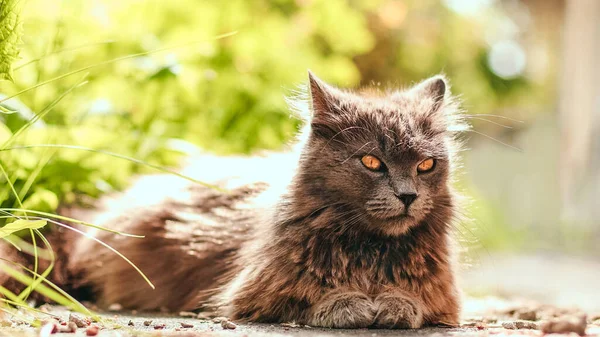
<point>343,310</point>
<point>397,311</point>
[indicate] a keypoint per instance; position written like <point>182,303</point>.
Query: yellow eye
<point>426,165</point>
<point>371,162</point>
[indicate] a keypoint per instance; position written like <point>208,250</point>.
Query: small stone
<point>78,320</point>
<point>147,323</point>
<point>115,307</point>
<point>92,330</point>
<point>566,324</point>
<point>187,314</point>
<point>226,324</point>
<point>219,319</point>
<point>527,314</point>
<point>290,325</point>
<point>130,323</point>
<point>70,327</point>
<point>186,325</point>
<point>526,325</point>
<point>48,329</point>
<point>509,325</point>
<point>159,326</point>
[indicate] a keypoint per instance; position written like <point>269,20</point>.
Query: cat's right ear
<point>324,100</point>
<point>323,97</point>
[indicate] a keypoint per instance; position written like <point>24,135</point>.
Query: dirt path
<point>561,283</point>
<point>502,318</point>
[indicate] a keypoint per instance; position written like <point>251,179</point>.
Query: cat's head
<point>388,157</point>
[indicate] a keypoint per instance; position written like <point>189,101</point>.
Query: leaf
<point>20,225</point>
<point>10,36</point>
<point>41,199</point>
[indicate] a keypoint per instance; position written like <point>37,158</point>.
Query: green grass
<point>20,218</point>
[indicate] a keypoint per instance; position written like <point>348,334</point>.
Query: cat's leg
<point>343,308</point>
<point>398,310</point>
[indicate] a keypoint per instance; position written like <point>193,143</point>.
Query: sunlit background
<point>159,82</point>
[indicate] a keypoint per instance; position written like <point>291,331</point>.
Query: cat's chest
<point>368,264</point>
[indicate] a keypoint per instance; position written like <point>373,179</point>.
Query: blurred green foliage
<point>222,94</point>
<point>10,37</point>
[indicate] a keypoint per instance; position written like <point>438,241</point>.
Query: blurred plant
<point>101,77</point>
<point>225,95</point>
<point>10,37</point>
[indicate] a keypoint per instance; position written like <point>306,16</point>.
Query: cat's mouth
<point>390,215</point>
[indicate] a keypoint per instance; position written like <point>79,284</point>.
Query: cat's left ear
<point>435,88</point>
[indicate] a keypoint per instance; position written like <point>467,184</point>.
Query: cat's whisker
<point>496,140</point>
<point>355,152</point>
<point>340,132</point>
<point>492,122</point>
<point>493,116</point>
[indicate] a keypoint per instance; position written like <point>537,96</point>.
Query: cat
<point>353,230</point>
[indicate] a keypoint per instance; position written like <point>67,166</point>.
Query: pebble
<point>68,328</point>
<point>526,325</point>
<point>519,325</point>
<point>226,324</point>
<point>48,329</point>
<point>527,314</point>
<point>130,323</point>
<point>78,320</point>
<point>291,325</point>
<point>219,319</point>
<point>147,323</point>
<point>186,325</point>
<point>566,324</point>
<point>92,330</point>
<point>159,326</point>
<point>115,307</point>
<point>509,325</point>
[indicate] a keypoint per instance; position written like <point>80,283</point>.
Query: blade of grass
<point>51,290</point>
<point>24,246</point>
<point>105,245</point>
<point>31,287</point>
<point>17,315</point>
<point>95,239</point>
<point>12,187</point>
<point>19,225</point>
<point>218,37</point>
<point>43,113</point>
<point>61,51</point>
<point>10,295</point>
<point>64,218</point>
<point>116,155</point>
<point>27,307</point>
<point>10,239</point>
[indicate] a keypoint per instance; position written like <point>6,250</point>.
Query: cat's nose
<point>407,198</point>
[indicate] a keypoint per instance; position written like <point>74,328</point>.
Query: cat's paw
<point>344,310</point>
<point>396,311</point>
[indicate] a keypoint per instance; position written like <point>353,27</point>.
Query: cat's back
<point>192,230</point>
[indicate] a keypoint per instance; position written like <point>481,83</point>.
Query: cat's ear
<point>323,97</point>
<point>434,88</point>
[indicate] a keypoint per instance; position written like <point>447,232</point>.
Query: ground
<point>501,323</point>
<point>567,286</point>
